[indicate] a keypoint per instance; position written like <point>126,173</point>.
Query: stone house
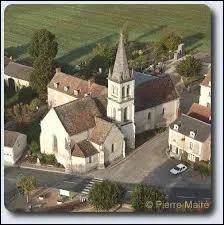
<point>80,137</point>
<point>133,103</point>
<point>17,75</point>
<point>205,91</point>
<point>190,135</point>
<point>14,145</point>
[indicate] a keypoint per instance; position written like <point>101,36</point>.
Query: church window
<point>112,148</point>
<point>123,92</point>
<point>209,94</point>
<point>55,144</point>
<point>125,114</point>
<point>90,159</point>
<point>163,111</point>
<point>128,90</point>
<point>149,116</point>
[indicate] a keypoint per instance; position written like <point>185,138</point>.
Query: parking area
<point>150,164</point>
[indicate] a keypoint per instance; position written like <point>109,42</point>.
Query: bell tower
<point>121,91</point>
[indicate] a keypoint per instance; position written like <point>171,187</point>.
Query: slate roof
<point>100,131</point>
<point>83,149</point>
<point>76,83</point>
<point>187,124</point>
<point>79,115</point>
<point>19,71</point>
<point>121,71</point>
<point>10,138</point>
<point>207,78</point>
<point>200,112</point>
<point>154,92</point>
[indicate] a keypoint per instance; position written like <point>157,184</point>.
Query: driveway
<point>149,164</point>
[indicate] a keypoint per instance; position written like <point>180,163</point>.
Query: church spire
<point>121,72</point>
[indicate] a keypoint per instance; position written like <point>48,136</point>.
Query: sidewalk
<point>41,167</point>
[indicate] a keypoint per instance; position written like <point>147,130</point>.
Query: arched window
<point>114,113</point>
<point>125,114</point>
<point>123,92</point>
<point>55,143</point>
<point>112,148</point>
<point>149,116</point>
<point>128,90</point>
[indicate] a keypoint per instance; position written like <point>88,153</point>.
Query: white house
<point>133,103</point>
<point>14,145</point>
<point>205,93</point>
<point>190,135</point>
<point>17,75</point>
<point>80,137</point>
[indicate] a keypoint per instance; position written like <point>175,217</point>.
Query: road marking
<point>181,196</point>
<point>71,182</point>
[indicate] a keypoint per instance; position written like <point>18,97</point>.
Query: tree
<point>171,41</point>
<point>26,94</point>
<point>145,198</point>
<point>26,184</point>
<point>43,43</point>
<point>34,104</point>
<point>44,70</point>
<point>159,52</point>
<point>189,67</point>
<point>105,195</point>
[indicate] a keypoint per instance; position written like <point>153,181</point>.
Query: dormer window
<point>176,127</point>
<point>87,94</point>
<point>76,92</point>
<point>192,134</point>
<point>66,88</point>
<point>56,84</point>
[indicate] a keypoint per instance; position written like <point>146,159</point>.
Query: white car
<point>178,169</point>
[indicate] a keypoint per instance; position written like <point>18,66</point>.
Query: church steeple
<point>121,72</point>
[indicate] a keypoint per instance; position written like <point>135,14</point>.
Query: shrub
<point>26,94</point>
<point>105,195</point>
<point>189,67</point>
<point>33,149</point>
<point>34,104</point>
<point>203,167</point>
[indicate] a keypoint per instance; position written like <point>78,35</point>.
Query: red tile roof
<point>74,83</point>
<point>207,78</point>
<point>200,112</point>
<point>154,92</point>
<point>83,149</point>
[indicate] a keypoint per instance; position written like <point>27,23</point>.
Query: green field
<point>79,28</point>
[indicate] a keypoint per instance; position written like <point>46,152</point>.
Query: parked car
<point>178,169</point>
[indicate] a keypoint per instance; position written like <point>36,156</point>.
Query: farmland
<point>79,28</point>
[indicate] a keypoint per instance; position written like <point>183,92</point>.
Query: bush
<point>105,195</point>
<point>26,94</point>
<point>189,67</point>
<point>142,196</point>
<point>160,130</point>
<point>33,149</point>
<point>34,104</point>
<point>203,167</point>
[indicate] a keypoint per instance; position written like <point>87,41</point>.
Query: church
<point>89,126</point>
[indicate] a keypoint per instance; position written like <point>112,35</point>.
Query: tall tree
<point>171,41</point>
<point>44,70</point>
<point>26,185</point>
<point>43,43</point>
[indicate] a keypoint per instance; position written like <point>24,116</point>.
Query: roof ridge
<point>13,62</point>
<point>195,119</point>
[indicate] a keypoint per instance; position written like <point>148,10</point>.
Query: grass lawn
<point>79,28</point>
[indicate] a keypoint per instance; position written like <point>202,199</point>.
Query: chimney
<point>58,70</point>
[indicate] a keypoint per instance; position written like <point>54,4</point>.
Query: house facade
<point>14,145</point>
<point>17,75</point>
<point>205,91</point>
<point>190,136</point>
<point>133,103</point>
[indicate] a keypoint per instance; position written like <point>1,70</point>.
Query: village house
<point>82,112</point>
<point>190,135</point>
<point>205,93</point>
<point>14,145</point>
<point>16,75</point>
